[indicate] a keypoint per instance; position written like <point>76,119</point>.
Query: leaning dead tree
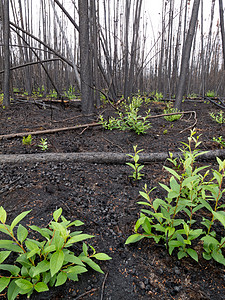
<point>6,99</point>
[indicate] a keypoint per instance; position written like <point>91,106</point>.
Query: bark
<point>186,54</point>
<point>6,99</point>
<point>85,59</point>
<point>101,157</point>
<point>222,28</point>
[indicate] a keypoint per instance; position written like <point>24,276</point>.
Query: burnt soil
<point>104,197</point>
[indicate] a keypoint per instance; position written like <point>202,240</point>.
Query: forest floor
<point>104,197</point>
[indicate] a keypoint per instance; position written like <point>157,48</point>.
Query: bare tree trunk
<point>222,28</point>
<point>87,102</point>
<point>6,99</point>
<point>186,54</point>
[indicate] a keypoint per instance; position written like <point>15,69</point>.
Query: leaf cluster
<point>129,119</point>
<point>173,220</point>
<point>171,118</point>
<point>219,117</point>
<point>27,140</point>
<point>43,263</point>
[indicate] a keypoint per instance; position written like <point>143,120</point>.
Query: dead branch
<point>21,134</point>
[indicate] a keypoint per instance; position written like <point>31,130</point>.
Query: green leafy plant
<point>129,119</point>
<point>43,144</point>
<point>220,141</point>
<point>173,219</point>
<point>170,110</point>
<point>211,94</point>
<point>136,166</point>
<point>192,95</point>
<point>219,117</point>
<point>52,94</point>
<point>27,140</point>
<point>43,264</point>
<point>71,93</point>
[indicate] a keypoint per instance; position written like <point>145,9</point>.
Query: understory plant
<point>219,117</point>
<point>27,140</point>
<point>170,110</point>
<point>45,262</point>
<point>220,141</point>
<point>172,220</point>
<point>136,166</point>
<point>129,118</point>
<point>43,144</point>
<point>211,94</point>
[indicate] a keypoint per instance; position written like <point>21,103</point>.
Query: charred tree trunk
<point>222,28</point>
<point>6,99</point>
<point>87,102</point>
<point>186,54</point>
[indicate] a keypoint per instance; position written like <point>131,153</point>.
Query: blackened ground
<point>105,199</point>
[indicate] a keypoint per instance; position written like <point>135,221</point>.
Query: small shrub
<point>219,117</point>
<point>27,140</point>
<point>129,119</point>
<point>173,220</point>
<point>43,144</point>
<point>43,264</point>
<point>211,94</point>
<point>170,110</point>
<point>220,141</point>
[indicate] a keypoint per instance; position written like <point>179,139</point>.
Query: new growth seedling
<point>135,166</point>
<point>43,144</point>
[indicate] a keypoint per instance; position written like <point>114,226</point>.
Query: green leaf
<point>171,171</point>
<point>73,259</point>
<point>181,254</point>
<point>4,255</point>
<point>13,290</point>
<point>220,215</point>
<point>193,254</point>
<point>78,238</point>
<point>5,229</point>
<point>91,264</point>
<point>85,249</point>
<point>76,223</point>
<point>61,278</point>
<point>57,214</point>
<point>24,284</point>
<point>79,269</point>
<point>4,283</point>
<point>134,238</point>
<point>41,287</point>
<point>41,267</point>
<point>43,231</point>
<point>3,215</point>
<point>22,233</point>
<point>102,256</point>
<point>18,219</point>
<point>56,262</point>
<point>14,270</point>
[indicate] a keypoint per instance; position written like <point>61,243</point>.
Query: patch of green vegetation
<point>220,141</point>
<point>27,140</point>
<point>129,119</point>
<point>211,94</point>
<point>218,118</point>
<point>170,110</point>
<point>71,93</point>
<point>171,219</point>
<point>45,262</point>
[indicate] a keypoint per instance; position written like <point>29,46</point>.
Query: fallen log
<point>101,157</point>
